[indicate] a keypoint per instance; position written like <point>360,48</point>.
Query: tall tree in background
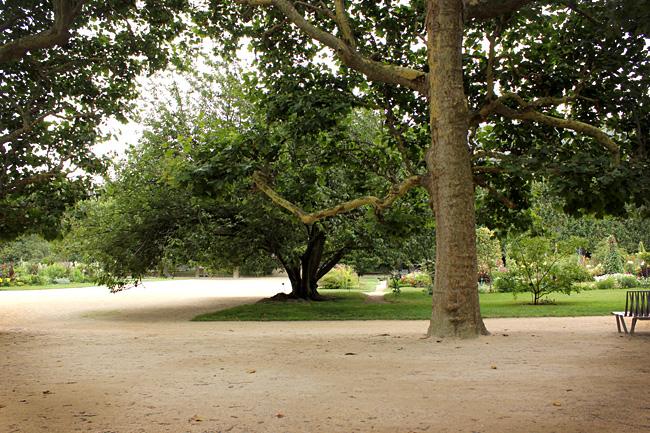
<point>414,53</point>
<point>67,66</point>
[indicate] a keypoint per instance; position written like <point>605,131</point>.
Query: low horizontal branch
<point>527,110</point>
<point>396,191</point>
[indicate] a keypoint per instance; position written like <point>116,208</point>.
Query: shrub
<point>538,268</point>
<point>573,271</point>
<point>485,288</point>
<point>31,280</point>
<point>607,284</point>
<point>627,282</point>
<point>395,282</point>
<point>611,256</point>
<point>504,282</point>
<point>586,285</point>
<point>54,271</point>
<point>342,277</point>
<point>644,264</point>
<point>488,253</point>
<point>596,271</point>
<point>416,279</point>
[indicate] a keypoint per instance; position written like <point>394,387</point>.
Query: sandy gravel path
<point>81,360</point>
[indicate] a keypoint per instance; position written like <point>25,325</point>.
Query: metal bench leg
<point>633,325</point>
<point>618,324</point>
<point>623,323</point>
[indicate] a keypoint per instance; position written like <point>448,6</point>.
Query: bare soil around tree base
<point>81,360</point>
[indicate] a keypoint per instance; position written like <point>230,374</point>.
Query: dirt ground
<point>83,360</point>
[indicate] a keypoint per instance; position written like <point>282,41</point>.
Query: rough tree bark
<point>455,296</point>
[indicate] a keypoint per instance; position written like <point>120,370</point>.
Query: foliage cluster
<point>538,266</point>
<point>416,279</point>
<point>341,277</point>
<point>35,274</point>
<point>488,254</point>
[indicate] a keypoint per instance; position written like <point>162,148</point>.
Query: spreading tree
<point>504,89</point>
<point>190,192</point>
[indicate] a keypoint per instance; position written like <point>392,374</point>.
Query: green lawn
<point>367,283</point>
<point>413,304</point>
<point>49,286</point>
<point>65,285</point>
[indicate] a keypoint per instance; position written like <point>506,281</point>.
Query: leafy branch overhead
<point>64,11</point>
<point>347,47</point>
<point>67,66</point>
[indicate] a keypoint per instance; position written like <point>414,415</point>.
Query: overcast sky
<point>125,135</point>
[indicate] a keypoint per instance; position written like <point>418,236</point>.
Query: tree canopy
<point>67,66</point>
<point>200,172</point>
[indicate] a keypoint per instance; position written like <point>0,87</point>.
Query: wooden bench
<point>637,307</point>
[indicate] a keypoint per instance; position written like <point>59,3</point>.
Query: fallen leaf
<point>46,392</point>
<point>493,367</point>
<point>279,415</point>
<point>196,418</point>
<point>505,335</point>
<point>557,403</point>
<point>350,353</point>
<point>251,371</point>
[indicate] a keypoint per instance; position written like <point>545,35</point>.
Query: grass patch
<point>347,305</point>
<point>72,285</point>
<point>48,286</point>
<point>368,283</point>
<point>414,304</point>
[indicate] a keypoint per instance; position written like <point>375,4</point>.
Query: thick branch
<point>574,125</point>
<point>395,192</point>
<point>344,24</point>
<point>375,71</point>
<point>65,12</point>
<point>28,125</point>
<point>21,184</point>
<point>496,194</point>
<point>528,112</point>
<point>331,262</point>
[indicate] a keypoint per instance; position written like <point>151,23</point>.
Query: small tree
<point>536,266</point>
<point>613,259</point>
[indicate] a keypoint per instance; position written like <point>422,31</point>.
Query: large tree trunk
<point>455,296</point>
<point>304,275</point>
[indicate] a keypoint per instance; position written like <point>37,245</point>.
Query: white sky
<point>125,135</point>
